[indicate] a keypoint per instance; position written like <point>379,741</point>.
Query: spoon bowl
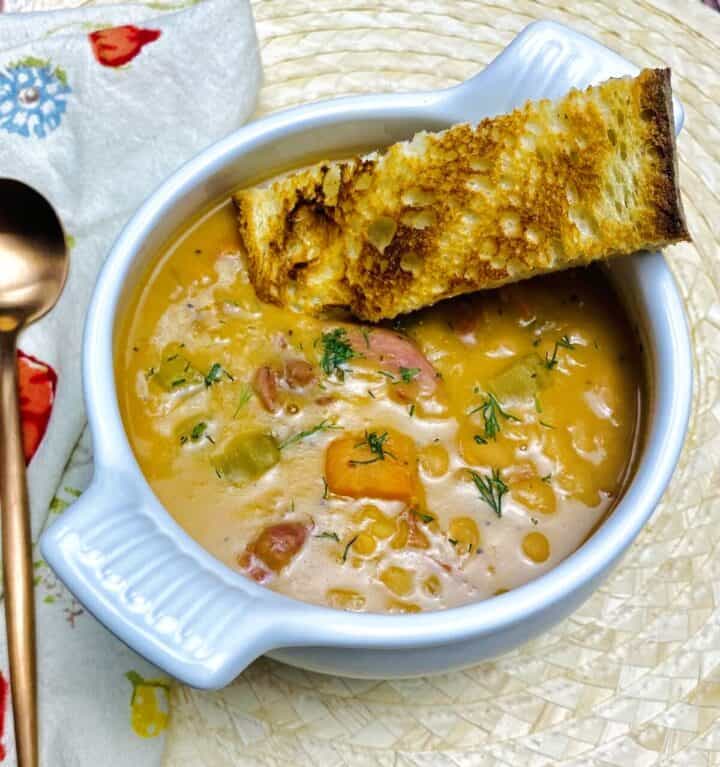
<point>33,255</point>
<point>34,263</point>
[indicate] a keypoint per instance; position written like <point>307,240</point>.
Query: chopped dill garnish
<point>218,473</point>
<point>376,444</point>
<point>330,535</point>
<point>552,361</point>
<point>198,430</point>
<point>480,440</point>
<point>324,425</point>
<point>406,375</point>
<point>347,548</point>
<point>178,382</point>
<point>150,373</point>
<point>326,489</point>
<point>453,541</point>
<point>538,406</point>
<point>411,410</point>
<point>245,397</point>
<point>491,409</point>
<point>546,425</point>
<point>546,478</point>
<point>370,392</point>
<point>409,374</point>
<point>491,489</point>
<point>336,352</point>
<point>426,518</point>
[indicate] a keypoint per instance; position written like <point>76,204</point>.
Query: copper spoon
<point>33,268</point>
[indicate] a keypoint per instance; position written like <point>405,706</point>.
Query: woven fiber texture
<point>632,678</point>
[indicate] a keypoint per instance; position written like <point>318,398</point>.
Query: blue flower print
<point>32,97</point>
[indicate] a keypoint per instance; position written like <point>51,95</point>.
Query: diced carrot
<point>353,468</point>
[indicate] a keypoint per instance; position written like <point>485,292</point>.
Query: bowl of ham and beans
<point>373,500</point>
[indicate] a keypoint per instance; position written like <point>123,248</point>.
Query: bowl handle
<point>545,60</point>
<point>157,591</point>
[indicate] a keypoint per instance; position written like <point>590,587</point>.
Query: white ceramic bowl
<point>134,568</point>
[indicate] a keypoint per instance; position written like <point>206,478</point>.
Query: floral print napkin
<point>97,106</point>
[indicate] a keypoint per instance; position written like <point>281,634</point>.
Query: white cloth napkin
<point>97,106</point>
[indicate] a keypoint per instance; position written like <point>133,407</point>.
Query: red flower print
<point>116,46</point>
<point>36,382</point>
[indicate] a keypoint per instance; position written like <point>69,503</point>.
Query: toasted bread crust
<point>656,108</point>
<point>547,187</point>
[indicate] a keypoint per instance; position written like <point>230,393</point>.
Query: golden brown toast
<point>550,186</point>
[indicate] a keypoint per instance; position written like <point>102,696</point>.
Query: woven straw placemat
<point>633,677</point>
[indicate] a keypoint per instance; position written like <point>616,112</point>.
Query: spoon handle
<point>17,561</point>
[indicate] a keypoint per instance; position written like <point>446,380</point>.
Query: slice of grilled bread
<point>549,186</point>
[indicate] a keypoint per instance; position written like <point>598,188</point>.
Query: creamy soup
<point>443,459</point>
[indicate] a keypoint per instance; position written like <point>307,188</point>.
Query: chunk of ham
<point>393,351</point>
<point>299,373</point>
<point>296,374</point>
<point>273,549</point>
<point>278,544</point>
<point>253,567</point>
<point>265,385</point>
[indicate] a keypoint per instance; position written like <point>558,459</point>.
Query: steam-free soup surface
<point>460,453</point>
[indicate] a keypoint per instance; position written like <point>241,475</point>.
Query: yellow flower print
<point>148,705</point>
